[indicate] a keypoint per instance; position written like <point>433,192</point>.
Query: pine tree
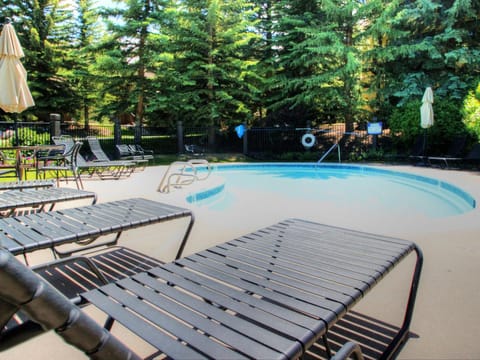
<point>217,77</point>
<point>423,43</point>
<point>82,57</point>
<point>318,67</point>
<point>127,56</point>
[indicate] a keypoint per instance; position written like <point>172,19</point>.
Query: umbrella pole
<point>424,141</point>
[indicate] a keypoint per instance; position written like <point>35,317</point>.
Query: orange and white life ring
<point>308,140</point>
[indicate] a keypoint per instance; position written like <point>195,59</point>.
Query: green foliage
<point>405,124</point>
<point>221,62</point>
<point>318,64</point>
<point>471,111</point>
<point>369,155</point>
<point>306,156</point>
<point>28,136</point>
<point>215,78</point>
<point>417,44</point>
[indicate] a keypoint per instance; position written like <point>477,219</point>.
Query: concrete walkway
<point>445,323</point>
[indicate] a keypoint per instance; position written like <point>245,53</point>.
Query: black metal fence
<point>163,140</point>
<point>297,140</point>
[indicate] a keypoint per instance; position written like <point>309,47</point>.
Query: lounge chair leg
<point>404,330</point>
<point>328,350</point>
<point>185,237</point>
<point>109,323</point>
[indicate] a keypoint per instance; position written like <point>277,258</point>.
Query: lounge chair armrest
<point>348,350</point>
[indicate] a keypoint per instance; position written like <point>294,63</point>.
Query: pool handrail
<point>336,145</point>
<point>178,170</point>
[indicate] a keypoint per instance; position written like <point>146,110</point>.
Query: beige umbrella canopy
<point>15,95</point>
<point>426,110</point>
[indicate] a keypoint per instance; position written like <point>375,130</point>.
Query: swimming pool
<point>332,186</point>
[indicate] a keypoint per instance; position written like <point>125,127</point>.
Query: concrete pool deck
<point>445,323</point>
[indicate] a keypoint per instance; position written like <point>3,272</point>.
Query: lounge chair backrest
<point>96,149</point>
<point>123,150</point>
<point>68,142</point>
<point>418,147</point>
<point>73,156</point>
<point>64,140</point>
<point>23,290</point>
<point>474,153</point>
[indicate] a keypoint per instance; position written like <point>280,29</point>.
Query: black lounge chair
<point>473,157</point>
<point>138,150</point>
<point>453,155</point>
<point>417,154</point>
<point>40,200</point>
<point>26,184</point>
<point>23,290</point>
<point>101,156</point>
<point>123,152</point>
<point>100,262</point>
<point>270,294</point>
<point>79,228</point>
<point>194,150</point>
<point>8,166</point>
<point>102,169</point>
<point>63,165</point>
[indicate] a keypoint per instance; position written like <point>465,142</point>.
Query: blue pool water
<point>375,190</point>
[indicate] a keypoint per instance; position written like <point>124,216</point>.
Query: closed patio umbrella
<point>426,110</point>
<point>426,114</point>
<point>15,95</point>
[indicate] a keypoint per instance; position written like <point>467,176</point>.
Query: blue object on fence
<point>240,129</point>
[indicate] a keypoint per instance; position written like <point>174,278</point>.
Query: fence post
<point>211,137</point>
<point>117,131</point>
<point>245,140</point>
<point>137,138</point>
<point>180,137</point>
<point>16,141</point>
<point>55,129</point>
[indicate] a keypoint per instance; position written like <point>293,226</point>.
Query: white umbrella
<point>15,95</point>
<point>426,110</point>
<point>426,114</point>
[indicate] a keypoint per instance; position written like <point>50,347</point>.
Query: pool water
<point>364,188</point>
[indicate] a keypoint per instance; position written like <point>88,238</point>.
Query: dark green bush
<point>405,125</point>
<point>471,111</point>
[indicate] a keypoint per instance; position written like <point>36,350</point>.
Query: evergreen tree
<point>318,72</point>
<point>218,80</point>
<point>127,58</point>
<point>83,58</point>
<point>264,51</point>
<point>422,43</point>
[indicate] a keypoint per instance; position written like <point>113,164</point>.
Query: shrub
<point>405,124</point>
<point>471,112</point>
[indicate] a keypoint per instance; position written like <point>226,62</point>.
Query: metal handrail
<point>177,176</point>
<point>336,145</point>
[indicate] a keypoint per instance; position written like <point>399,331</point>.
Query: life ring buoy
<point>308,140</point>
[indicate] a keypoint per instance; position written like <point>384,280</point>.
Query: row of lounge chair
<point>71,161</point>
<point>454,157</point>
<point>133,152</point>
<point>273,293</point>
